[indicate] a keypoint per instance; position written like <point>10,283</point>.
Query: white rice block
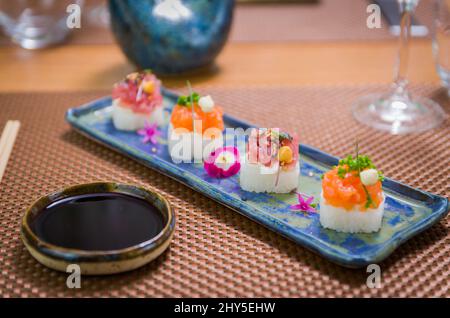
<point>352,221</point>
<point>258,178</point>
<point>125,119</point>
<point>191,147</point>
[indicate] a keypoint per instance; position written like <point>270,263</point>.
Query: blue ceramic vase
<point>171,36</point>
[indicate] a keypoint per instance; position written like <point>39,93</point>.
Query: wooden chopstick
<point>5,134</point>
<point>7,141</point>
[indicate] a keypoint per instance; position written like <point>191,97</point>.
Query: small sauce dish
<point>105,228</point>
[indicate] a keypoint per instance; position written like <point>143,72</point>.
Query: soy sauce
<point>98,221</point>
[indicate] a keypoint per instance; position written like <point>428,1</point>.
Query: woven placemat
<point>216,251</point>
<point>312,21</point>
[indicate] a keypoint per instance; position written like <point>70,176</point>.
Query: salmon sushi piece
<point>352,199</point>
<point>195,131</point>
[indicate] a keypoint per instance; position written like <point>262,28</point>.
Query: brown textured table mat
<point>317,21</point>
<point>216,251</point>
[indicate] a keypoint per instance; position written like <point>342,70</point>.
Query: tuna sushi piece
<point>137,100</point>
<point>271,162</point>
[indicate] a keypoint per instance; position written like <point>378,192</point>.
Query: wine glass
<point>397,111</point>
<point>441,41</point>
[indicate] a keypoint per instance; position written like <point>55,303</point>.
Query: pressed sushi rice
<point>125,119</point>
<point>255,177</point>
<point>351,221</point>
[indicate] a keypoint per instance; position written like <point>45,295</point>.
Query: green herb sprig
<point>186,100</point>
<point>357,163</point>
<point>191,102</point>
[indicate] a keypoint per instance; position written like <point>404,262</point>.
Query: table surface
<point>198,262</point>
<point>94,67</point>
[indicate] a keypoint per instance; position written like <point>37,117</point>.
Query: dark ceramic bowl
<point>98,262</point>
<point>171,36</point>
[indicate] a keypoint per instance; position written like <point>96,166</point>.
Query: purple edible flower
<point>150,133</point>
<point>303,205</point>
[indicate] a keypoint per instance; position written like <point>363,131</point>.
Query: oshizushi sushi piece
<point>195,130</point>
<point>352,198</point>
<point>271,162</point>
<point>137,100</point>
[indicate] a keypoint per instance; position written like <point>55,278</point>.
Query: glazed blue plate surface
<point>408,211</point>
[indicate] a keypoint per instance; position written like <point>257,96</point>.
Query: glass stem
<point>400,80</point>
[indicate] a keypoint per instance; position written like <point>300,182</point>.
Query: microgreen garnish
<point>369,201</point>
<point>280,135</point>
<point>366,161</point>
<point>358,163</point>
<point>341,172</point>
<point>380,176</point>
<point>192,100</point>
<point>137,77</point>
<point>187,100</point>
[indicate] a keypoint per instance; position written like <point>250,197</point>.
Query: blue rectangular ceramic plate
<point>408,211</point>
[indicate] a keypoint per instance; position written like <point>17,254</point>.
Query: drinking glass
<point>35,24</point>
<point>397,111</point>
<point>441,41</point>
<point>98,14</point>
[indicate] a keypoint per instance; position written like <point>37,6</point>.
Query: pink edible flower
<point>150,133</point>
<point>223,162</point>
<point>303,205</point>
